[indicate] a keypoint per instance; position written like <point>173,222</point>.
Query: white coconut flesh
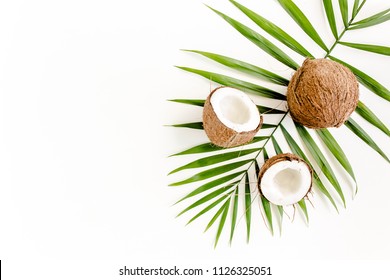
<point>235,109</point>
<point>286,182</point>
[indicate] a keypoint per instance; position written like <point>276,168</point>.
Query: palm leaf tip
<point>260,41</point>
<point>274,30</point>
<point>299,17</point>
<point>362,134</point>
<point>328,6</point>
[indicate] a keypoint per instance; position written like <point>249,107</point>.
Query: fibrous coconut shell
<point>220,134</point>
<point>322,93</point>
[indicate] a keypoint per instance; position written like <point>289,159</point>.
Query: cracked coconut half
<point>230,118</point>
<point>285,179</point>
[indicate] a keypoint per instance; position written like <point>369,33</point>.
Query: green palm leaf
<point>265,204</point>
<point>359,131</point>
<point>248,207</point>
<point>372,20</point>
<point>225,179</point>
<point>332,145</point>
<point>265,126</point>
<point>199,125</point>
<point>367,81</point>
<point>202,148</point>
<point>200,103</point>
<point>274,30</point>
<point>244,67</point>
<point>277,148</point>
<point>268,213</point>
<point>219,213</point>
<point>269,111</point>
<point>302,205</point>
<point>369,116</point>
<point>369,48</point>
<point>208,197</point>
<point>208,147</point>
<point>280,211</point>
<point>318,156</point>
<point>208,208</point>
<point>212,172</point>
<point>344,11</point>
<point>236,83</point>
<point>222,222</point>
<point>194,125</point>
<point>298,151</point>
<point>328,6</point>
<point>196,102</point>
<point>355,8</point>
<point>260,41</point>
<point>215,159</point>
<point>299,17</point>
<point>213,184</point>
<point>234,214</point>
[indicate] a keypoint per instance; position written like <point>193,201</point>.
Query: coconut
<point>285,179</point>
<point>230,118</point>
<point>322,93</point>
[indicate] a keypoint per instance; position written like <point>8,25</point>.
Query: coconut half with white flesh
<point>285,179</point>
<point>230,118</point>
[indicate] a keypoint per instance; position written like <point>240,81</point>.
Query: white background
<point>84,150</point>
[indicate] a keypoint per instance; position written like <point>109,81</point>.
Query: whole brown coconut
<point>322,93</point>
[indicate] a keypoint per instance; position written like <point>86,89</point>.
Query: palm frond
<point>362,134</point>
<point>328,6</point>
<point>369,116</point>
<point>369,48</point>
<point>344,11</point>
<point>274,30</point>
<point>298,151</point>
<point>222,221</point>
<point>208,147</point>
<point>302,205</point>
<point>209,197</point>
<point>320,159</point>
<point>376,19</point>
<point>234,214</point>
<point>215,217</point>
<point>248,207</point>
<point>264,203</point>
<point>244,67</point>
<point>226,171</point>
<point>196,102</point>
<point>212,172</point>
<point>236,83</point>
<point>194,125</point>
<point>299,17</point>
<point>332,145</point>
<point>209,207</point>
<point>213,184</point>
<point>355,8</point>
<point>367,81</point>
<point>202,148</point>
<point>260,41</point>
<point>210,160</point>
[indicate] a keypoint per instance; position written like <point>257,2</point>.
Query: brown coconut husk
<point>221,135</point>
<point>322,93</point>
<point>278,158</point>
